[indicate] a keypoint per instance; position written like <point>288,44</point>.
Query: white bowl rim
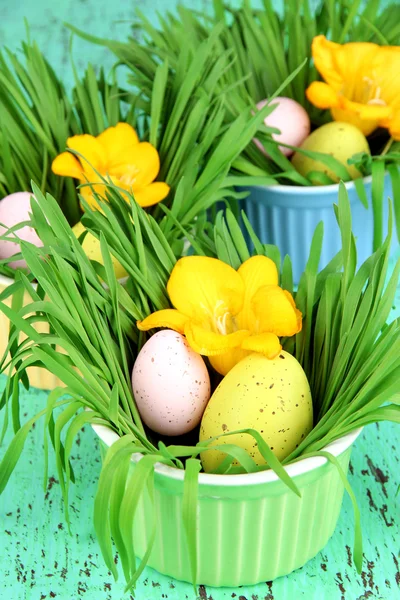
<point>312,189</point>
<point>336,448</point>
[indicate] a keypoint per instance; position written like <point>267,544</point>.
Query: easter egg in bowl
<point>337,139</point>
<point>292,121</point>
<point>270,395</point>
<point>170,383</point>
<point>15,208</point>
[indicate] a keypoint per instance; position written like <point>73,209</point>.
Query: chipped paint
<point>42,557</point>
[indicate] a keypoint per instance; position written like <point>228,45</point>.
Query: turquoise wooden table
<point>40,560</point>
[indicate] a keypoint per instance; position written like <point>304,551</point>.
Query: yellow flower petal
<point>170,318</point>
<point>342,64</point>
<point>87,194</point>
<point>394,126</point>
<point>67,165</point>
<point>151,194</point>
<point>384,73</point>
<point>323,53</point>
<point>208,343</point>
<point>322,95</point>
<point>91,149</point>
<point>256,272</point>
<point>264,343</point>
<point>138,165</point>
<point>205,289</point>
<point>366,117</point>
<point>362,82</point>
<point>299,316</point>
<point>96,186</point>
<point>116,141</point>
<point>276,311</point>
<point>348,116</point>
<point>116,154</point>
<point>223,363</point>
<point>369,111</point>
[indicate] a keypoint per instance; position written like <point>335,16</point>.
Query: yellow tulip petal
<point>91,149</point>
<point>138,165</point>
<point>322,95</point>
<point>170,318</point>
<point>208,343</point>
<point>264,343</point>
<point>276,311</point>
<point>206,289</point>
<point>151,194</point>
<point>256,272</point>
<point>67,165</point>
<point>116,141</point>
<point>223,363</point>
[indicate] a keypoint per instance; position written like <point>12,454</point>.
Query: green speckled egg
<point>271,396</point>
<point>340,140</point>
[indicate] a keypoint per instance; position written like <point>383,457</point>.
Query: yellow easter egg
<point>91,247</point>
<point>271,396</point>
<point>337,139</point>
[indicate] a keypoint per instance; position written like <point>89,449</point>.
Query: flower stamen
<point>221,324</point>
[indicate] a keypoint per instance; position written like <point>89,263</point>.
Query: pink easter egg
<point>292,121</point>
<point>15,209</point>
<point>170,383</point>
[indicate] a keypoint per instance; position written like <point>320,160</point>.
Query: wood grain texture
<point>38,558</point>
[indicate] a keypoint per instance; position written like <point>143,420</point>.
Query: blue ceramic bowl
<point>287,216</point>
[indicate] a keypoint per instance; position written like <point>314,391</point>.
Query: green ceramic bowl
<point>251,528</point>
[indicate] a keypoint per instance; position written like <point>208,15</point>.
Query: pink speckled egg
<point>171,384</point>
<point>15,209</point>
<point>292,121</point>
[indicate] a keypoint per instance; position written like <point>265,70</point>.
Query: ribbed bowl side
<point>256,536</point>
<point>169,555</point>
<point>288,220</point>
<point>38,378</point>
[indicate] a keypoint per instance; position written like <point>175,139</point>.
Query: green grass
<point>348,351</point>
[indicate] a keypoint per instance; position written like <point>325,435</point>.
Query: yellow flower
<point>116,154</point>
<point>362,84</point>
<point>227,314</point>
